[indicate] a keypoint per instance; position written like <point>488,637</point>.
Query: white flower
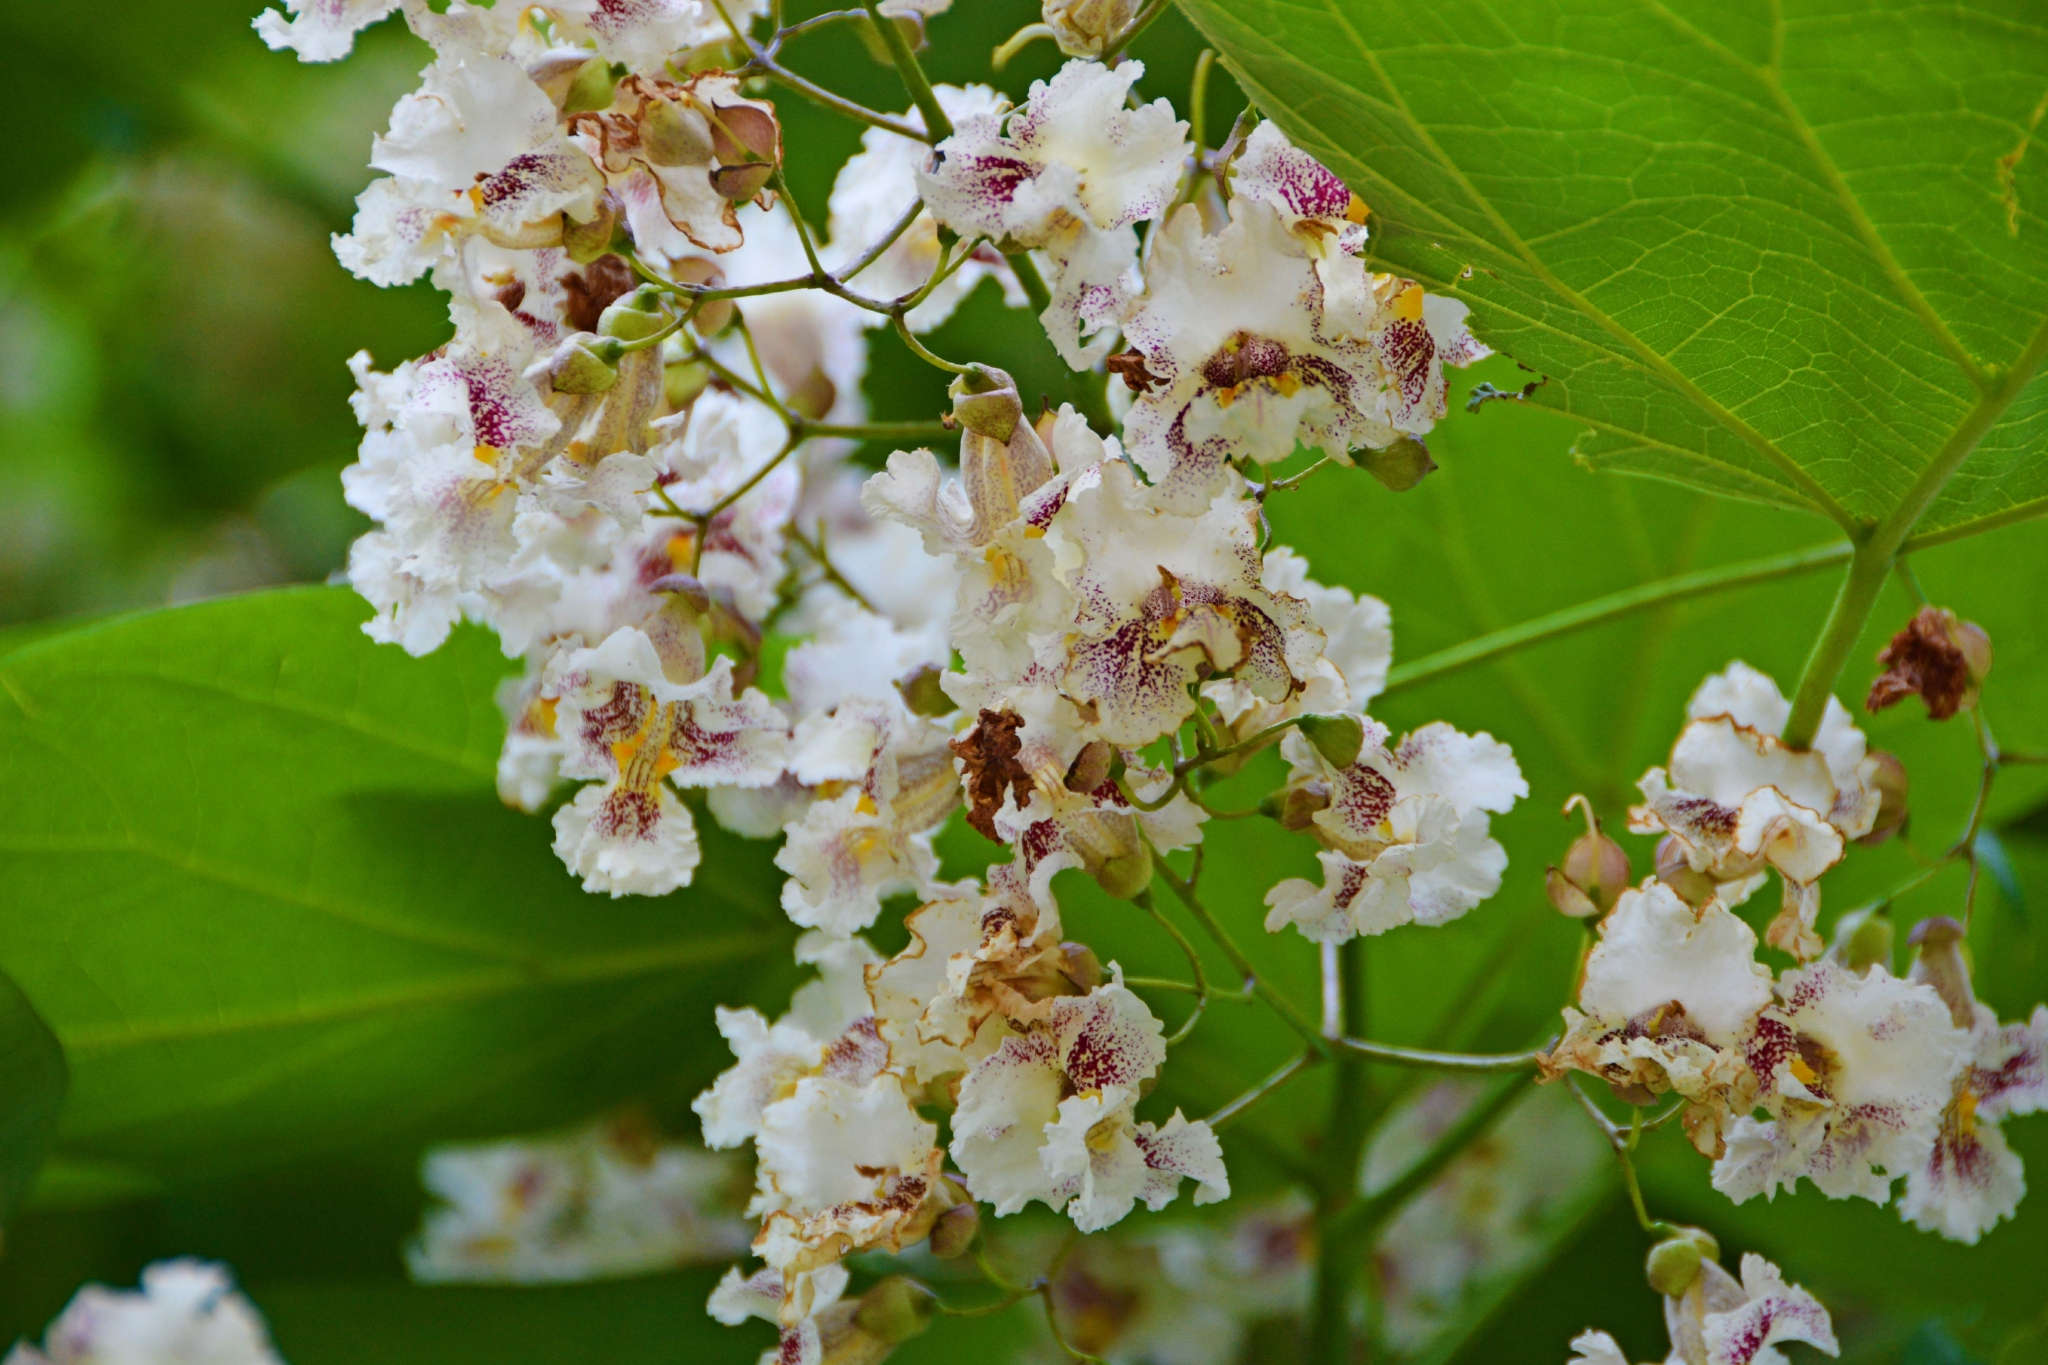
<point>629,726</point>
<point>1048,1116</point>
<point>530,763</point>
<point>643,34</point>
<point>870,194</point>
<point>320,30</point>
<point>1971,1178</point>
<point>1723,1321</point>
<point>187,1312</point>
<point>611,1199</point>
<point>1358,649</point>
<point>1738,800</point>
<point>1406,830</point>
<point>712,453</point>
<point>1245,353</point>
<point>1668,995</point>
<point>886,783</point>
<point>1074,173</point>
<point>856,654</point>
<point>1165,600</point>
<point>1311,199</point>
<point>1855,1072</point>
<point>811,1298</point>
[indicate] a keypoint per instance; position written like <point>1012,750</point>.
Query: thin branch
<point>824,563</point>
<point>1138,25</point>
<point>937,126</point>
<point>1430,1060</point>
<point>1370,1214</point>
<point>1246,972</point>
<point>1143,900</point>
<point>1613,607</point>
<point>1234,1110</point>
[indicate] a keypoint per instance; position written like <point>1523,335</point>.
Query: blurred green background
<point>173,415</point>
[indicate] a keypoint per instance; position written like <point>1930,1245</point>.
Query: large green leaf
<point>260,886</point>
<point>1786,251</point>
<point>33,1080</point>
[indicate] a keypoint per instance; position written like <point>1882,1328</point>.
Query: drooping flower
<point>1049,1116</point>
<point>1669,994</point>
<point>1073,174</point>
<point>611,1199</point>
<point>628,725</point>
<point>1720,1320</point>
<point>1972,1179</point>
<point>1855,1072</point>
<point>1406,832</point>
<point>186,1311</point>
<point>1738,800</point>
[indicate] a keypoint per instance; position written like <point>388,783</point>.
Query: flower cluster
<point>607,1200</point>
<point>1861,1077</point>
<point>186,1311</point>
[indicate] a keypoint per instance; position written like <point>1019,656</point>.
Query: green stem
<point>1882,543</point>
<point>1301,1062</point>
<point>879,431</point>
<point>1613,607</point>
<point>1430,1060</point>
<point>1281,1005</point>
<point>1143,900</point>
<point>936,125</point>
<point>1340,1260</point>
<point>1370,1214</point>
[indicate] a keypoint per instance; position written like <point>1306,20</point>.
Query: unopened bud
<point>741,183</point>
<point>1939,963</point>
<point>1338,737</point>
<point>1863,939</point>
<point>1567,898</point>
<point>1893,787</point>
<point>741,133</point>
<point>1673,1265</point>
<point>922,693</point>
<point>583,363</point>
<point>593,88</point>
<point>673,135</point>
<point>985,402</point>
<point>683,381</point>
<point>587,241</point>
<point>1295,807</point>
<point>713,315</point>
<point>634,316</point>
<point>1124,873</point>
<point>1078,964</point>
<point>955,1231</point>
<point>1090,768</point>
<point>895,1310</point>
<point>1596,865</point>
<point>1400,466</point>
<point>1692,886</point>
<point>1084,27</point>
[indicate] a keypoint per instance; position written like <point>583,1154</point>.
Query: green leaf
<point>262,889</point>
<point>1796,253</point>
<point>33,1080</point>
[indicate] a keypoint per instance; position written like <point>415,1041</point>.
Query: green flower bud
<point>1338,737</point>
<point>742,133</point>
<point>634,316</point>
<point>586,242</point>
<point>1673,1265</point>
<point>1400,466</point>
<point>1863,939</point>
<point>741,183</point>
<point>896,1310</point>
<point>1567,898</point>
<point>1091,766</point>
<point>1939,961</point>
<point>955,1231</point>
<point>1295,807</point>
<point>584,364</point>
<point>673,135</point>
<point>1078,964</point>
<point>985,402</point>
<point>922,693</point>
<point>593,87</point>
<point>683,381</point>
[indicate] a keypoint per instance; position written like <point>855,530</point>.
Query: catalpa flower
<point>1405,832</point>
<point>637,731</point>
<point>1244,354</point>
<point>974,956</point>
<point>1165,601</point>
<point>1856,1071</point>
<point>885,783</point>
<point>1049,1116</point>
<point>1720,1320</point>
<point>825,1316</point>
<point>680,158</point>
<point>1972,1179</point>
<point>1074,173</point>
<point>1738,801</point>
<point>1312,200</point>
<point>1358,649</point>
<point>871,192</point>
<point>1668,995</point>
<point>186,1310</point>
<point>610,1199</point>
